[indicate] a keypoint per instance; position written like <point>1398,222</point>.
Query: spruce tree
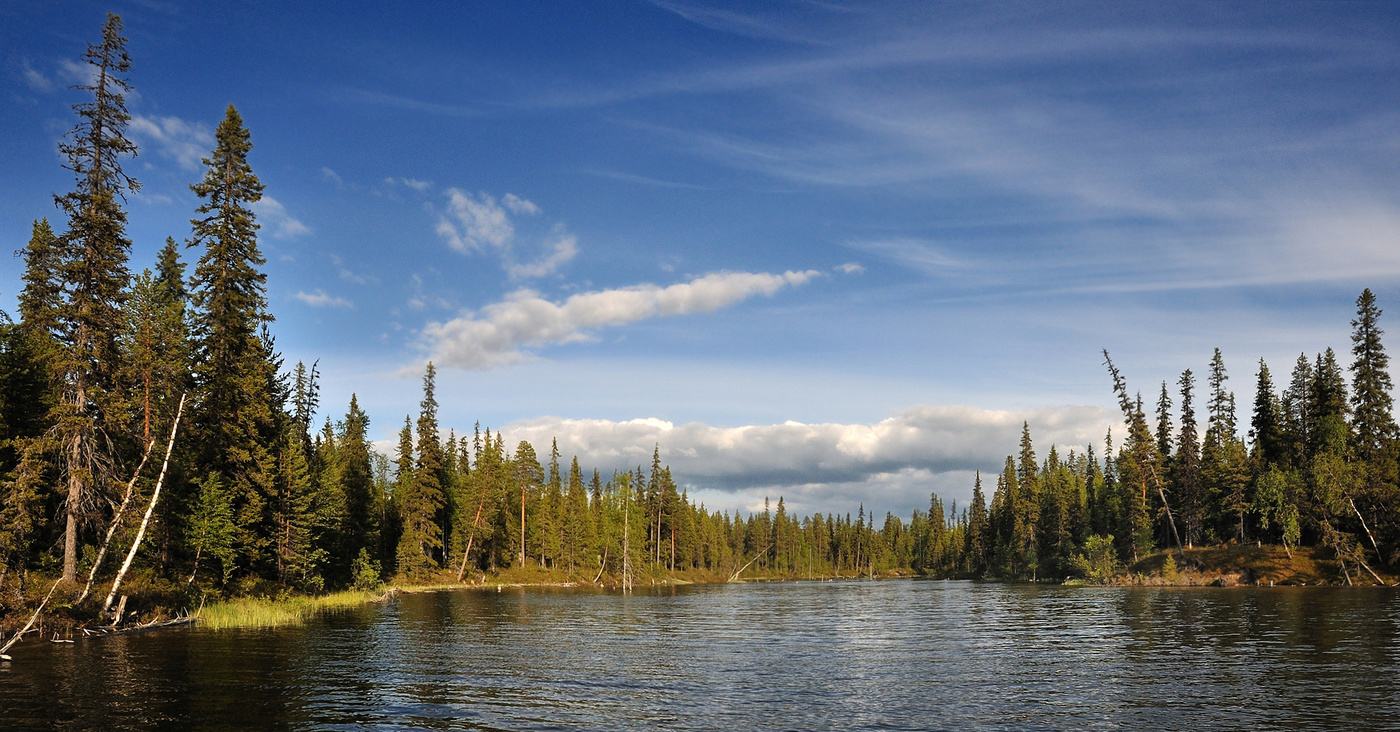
<point>1186,468</point>
<point>975,538</point>
<point>1373,427</point>
<point>401,497</point>
<point>1327,407</point>
<point>41,300</point>
<point>361,527</point>
<point>156,355</point>
<point>1266,425</point>
<point>1164,425</point>
<point>235,417</point>
<point>422,535</point>
<point>1027,504</point>
<point>1296,416</point>
<point>92,266</point>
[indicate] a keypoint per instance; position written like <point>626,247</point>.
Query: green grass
<point>254,612</point>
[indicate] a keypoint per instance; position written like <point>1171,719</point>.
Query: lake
<point>902,654</point>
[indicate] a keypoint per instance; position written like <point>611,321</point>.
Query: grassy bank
<point>259,612</point>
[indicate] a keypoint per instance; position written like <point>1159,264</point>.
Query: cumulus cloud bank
<point>892,464</point>
<point>497,334</point>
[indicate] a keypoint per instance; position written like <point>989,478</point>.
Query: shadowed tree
<point>92,266</point>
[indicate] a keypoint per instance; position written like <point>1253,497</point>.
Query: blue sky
<point>835,252</point>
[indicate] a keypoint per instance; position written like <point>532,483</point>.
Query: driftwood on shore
<point>15,638</point>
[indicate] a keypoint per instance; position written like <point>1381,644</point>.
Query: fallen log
<point>150,509</point>
<point>15,638</point>
<point>116,521</point>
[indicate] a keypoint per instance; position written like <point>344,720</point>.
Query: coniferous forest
<point>152,438</point>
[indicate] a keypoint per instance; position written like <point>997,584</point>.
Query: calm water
<point>883,655</point>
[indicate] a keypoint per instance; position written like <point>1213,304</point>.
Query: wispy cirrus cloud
<point>34,79</point>
<point>506,332</point>
<point>319,299</point>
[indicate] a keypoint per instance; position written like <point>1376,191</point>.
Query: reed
<point>259,612</point>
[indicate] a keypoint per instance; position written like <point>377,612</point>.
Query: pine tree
<point>235,417</point>
<point>211,527</point>
<point>361,526</point>
<point>1327,407</point>
<point>975,538</point>
<point>41,300</point>
<point>156,354</point>
<point>92,265</point>
<point>422,535</point>
<point>1296,420</point>
<point>1164,425</point>
<point>1266,426</point>
<point>1186,468</point>
<point>527,478</point>
<point>1373,427</point>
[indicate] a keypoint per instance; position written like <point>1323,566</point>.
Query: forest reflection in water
<point>883,654</point>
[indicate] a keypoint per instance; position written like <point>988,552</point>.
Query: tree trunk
<point>155,496</point>
<point>471,536</point>
<point>116,520</point>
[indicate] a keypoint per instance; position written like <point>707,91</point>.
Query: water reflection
<point>907,654</point>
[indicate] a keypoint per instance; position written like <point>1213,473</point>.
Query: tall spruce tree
<point>422,535</point>
<point>1266,424</point>
<point>1186,468</point>
<point>92,267</point>
<point>361,527</point>
<point>1296,417</point>
<point>235,417</point>
<point>1373,427</point>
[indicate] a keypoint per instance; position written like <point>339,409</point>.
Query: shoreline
<point>1223,566</point>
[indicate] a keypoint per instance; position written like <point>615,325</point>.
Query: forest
<point>150,433</point>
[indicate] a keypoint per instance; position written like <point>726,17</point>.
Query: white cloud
<point>35,79</point>
<point>185,143</point>
<point>332,177</point>
<point>418,185</point>
<point>496,335</point>
<point>471,222</point>
<point>891,464</point>
<point>519,205</point>
<point>77,72</point>
<point>320,299</point>
<point>850,268</point>
<point>475,222</point>
<point>274,215</point>
<point>564,249</point>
